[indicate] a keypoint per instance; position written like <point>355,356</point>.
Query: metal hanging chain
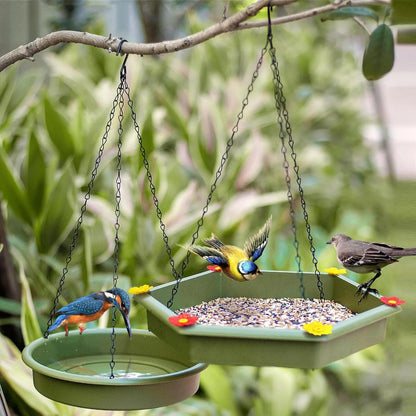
<point>122,88</point>
<point>179,275</point>
<point>285,127</point>
<point>87,196</point>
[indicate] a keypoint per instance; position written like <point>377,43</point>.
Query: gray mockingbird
<point>365,257</point>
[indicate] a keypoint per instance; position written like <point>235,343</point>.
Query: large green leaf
<point>12,191</point>
<point>217,386</point>
<point>35,174</point>
<point>56,217</point>
<point>349,12</point>
<point>58,130</point>
<point>379,55</point>
<point>404,12</point>
<point>9,306</point>
<point>86,259</point>
<point>29,321</point>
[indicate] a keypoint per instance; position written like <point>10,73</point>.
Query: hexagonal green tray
<point>75,370</point>
<point>265,346</point>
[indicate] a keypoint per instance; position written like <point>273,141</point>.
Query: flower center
<point>183,320</point>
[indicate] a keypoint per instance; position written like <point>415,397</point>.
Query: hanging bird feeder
<point>74,370</point>
<point>106,369</point>
<point>262,346</point>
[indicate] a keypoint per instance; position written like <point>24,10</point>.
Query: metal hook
<point>123,68</point>
<point>269,19</point>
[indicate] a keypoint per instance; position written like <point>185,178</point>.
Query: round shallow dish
<point>75,370</point>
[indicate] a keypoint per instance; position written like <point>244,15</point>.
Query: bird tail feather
<point>58,322</point>
<point>408,252</point>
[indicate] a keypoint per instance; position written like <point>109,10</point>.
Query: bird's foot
<point>364,289</point>
<point>81,329</point>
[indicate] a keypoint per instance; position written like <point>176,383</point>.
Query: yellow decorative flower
<point>140,290</point>
<point>317,328</point>
<point>334,270</point>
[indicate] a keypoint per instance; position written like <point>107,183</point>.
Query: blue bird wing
<point>211,255</point>
<point>256,244</point>
<point>87,305</point>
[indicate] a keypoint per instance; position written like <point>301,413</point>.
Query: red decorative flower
<point>392,301</point>
<point>214,268</point>
<point>184,319</point>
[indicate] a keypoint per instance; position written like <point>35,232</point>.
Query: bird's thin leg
<point>81,329</point>
<point>366,287</point>
<point>66,330</point>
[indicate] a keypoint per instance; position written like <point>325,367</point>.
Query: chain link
<point>122,87</point>
<point>286,129</point>
<point>87,196</point>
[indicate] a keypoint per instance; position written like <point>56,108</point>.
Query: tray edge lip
<point>193,370</point>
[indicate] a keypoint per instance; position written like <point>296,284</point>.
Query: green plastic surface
<point>75,370</point>
<point>266,346</point>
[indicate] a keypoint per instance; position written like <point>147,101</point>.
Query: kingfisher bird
<point>236,263</point>
<point>91,307</point>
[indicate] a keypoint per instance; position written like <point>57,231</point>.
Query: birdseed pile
<point>287,313</point>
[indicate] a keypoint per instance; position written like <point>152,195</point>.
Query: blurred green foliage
<point>51,125</point>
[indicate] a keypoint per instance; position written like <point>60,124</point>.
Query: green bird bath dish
<point>259,346</point>
<point>75,370</point>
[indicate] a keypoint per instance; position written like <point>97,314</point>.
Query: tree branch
<point>230,24</point>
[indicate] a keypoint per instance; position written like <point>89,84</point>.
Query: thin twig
<point>362,25</point>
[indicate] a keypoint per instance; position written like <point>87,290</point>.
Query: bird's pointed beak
<point>329,242</point>
<point>127,322</point>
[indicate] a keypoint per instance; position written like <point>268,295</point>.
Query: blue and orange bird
<point>236,263</point>
<point>91,307</point>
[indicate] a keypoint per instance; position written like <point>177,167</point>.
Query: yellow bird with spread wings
<point>236,263</point>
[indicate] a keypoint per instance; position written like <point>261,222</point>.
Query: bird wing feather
<point>214,242</point>
<point>87,305</point>
<point>256,244</point>
<point>370,256</point>
<point>211,255</point>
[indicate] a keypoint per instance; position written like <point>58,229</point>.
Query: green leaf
<point>379,55</point>
<point>9,306</point>
<point>12,191</point>
<point>147,133</point>
<point>35,175</point>
<point>58,130</point>
<point>404,12</point>
<point>217,386</point>
<point>350,12</point>
<point>55,219</point>
<point>86,259</point>
<point>29,321</point>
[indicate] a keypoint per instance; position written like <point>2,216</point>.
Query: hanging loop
<point>269,19</point>
<point>123,69</point>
